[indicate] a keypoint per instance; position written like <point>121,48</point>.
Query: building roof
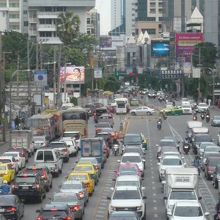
<point>196,17</point>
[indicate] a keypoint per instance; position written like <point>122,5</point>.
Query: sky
<point>103,7</point>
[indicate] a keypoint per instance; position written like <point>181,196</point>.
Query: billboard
<point>111,42</point>
<point>97,73</point>
<point>185,43</point>
<point>72,74</point>
<point>105,41</point>
<point>160,48</point>
<point>40,76</point>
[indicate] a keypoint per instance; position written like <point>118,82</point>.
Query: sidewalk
<point>4,145</point>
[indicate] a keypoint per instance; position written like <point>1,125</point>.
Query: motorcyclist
<point>17,122</point>
<point>195,116</point>
<point>217,215</point>
<point>5,188</point>
<point>115,142</point>
<point>164,114</point>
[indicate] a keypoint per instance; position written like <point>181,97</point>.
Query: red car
<point>128,169</point>
<point>106,149</point>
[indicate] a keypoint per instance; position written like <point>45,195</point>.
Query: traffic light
<point>130,74</point>
<point>116,73</point>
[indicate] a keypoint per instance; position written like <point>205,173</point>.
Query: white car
<point>127,198</point>
<point>11,161</point>
<point>143,110</point>
<point>202,107</point>
<point>75,135</point>
<point>187,211</point>
<point>20,160</point>
<point>187,109</point>
<point>168,161</point>
<point>72,147</point>
<point>133,158</point>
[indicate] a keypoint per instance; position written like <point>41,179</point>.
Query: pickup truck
<point>51,159</point>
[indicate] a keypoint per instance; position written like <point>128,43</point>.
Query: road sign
<point>97,73</point>
<point>170,74</point>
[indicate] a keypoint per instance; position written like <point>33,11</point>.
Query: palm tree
<point>67,26</point>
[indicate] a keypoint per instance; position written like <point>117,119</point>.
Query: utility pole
<point>28,67</point>
<point>37,60</point>
<point>58,81</point>
<point>54,76</point>
<point>199,92</point>
<point>41,63</point>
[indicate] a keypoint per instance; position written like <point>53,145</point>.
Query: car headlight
<point>139,208</point>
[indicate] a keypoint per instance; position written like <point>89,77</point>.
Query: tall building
<point>123,18</point>
<point>43,15</point>
<point>93,22</point>
<point>17,14</point>
<point>212,22</point>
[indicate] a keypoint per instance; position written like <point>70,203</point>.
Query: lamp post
<point>65,81</point>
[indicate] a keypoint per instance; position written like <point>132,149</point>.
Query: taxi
<point>172,111</point>
<point>7,172</point>
<point>85,178</point>
<point>87,167</point>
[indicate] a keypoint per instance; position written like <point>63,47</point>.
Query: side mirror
<point>114,179</point>
<point>184,164</point>
<point>144,197</point>
<point>163,182</point>
<point>207,213</point>
<point>143,188</point>
<point>108,198</point>
<point>165,197</point>
<point>144,160</point>
<point>157,145</point>
<point>169,213</point>
<point>200,197</point>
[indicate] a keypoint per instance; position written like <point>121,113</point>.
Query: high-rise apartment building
<point>43,15</point>
<point>93,23</point>
<point>17,14</point>
<point>123,18</point>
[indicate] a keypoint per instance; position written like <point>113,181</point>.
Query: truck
<point>180,184</point>
<point>22,138</point>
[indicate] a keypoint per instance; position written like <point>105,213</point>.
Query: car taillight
<point>22,153</point>
<point>44,175</point>
<point>64,150</point>
<point>37,186</point>
<point>96,167</point>
<point>39,218</point>
<point>94,114</point>
<point>55,167</point>
<point>75,208</point>
<point>85,132</point>
<point>67,218</point>
<point>14,186</point>
<point>81,194</point>
<point>11,164</point>
<point>11,209</point>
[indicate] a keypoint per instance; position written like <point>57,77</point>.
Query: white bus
<point>122,106</point>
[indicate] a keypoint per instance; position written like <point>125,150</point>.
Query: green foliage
<point>68,27</point>
<point>112,84</point>
<point>205,54</point>
<point>74,101</point>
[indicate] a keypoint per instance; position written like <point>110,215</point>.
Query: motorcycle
<point>202,116</point>
<point>186,148</point>
<point>115,149</point>
<point>194,118</point>
<point>159,125</point>
<point>207,117</point>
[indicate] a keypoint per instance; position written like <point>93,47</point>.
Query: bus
<point>75,119</point>
<point>58,120</point>
<point>41,124</point>
<point>122,106</point>
<point>93,147</point>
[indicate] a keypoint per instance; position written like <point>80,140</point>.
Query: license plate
<point>2,210</point>
<point>186,147</point>
<point>25,187</point>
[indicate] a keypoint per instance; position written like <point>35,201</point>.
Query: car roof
<point>128,178</point>
<point>131,154</point>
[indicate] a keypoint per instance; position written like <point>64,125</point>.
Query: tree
<point>205,54</point>
<point>112,84</point>
<point>68,27</point>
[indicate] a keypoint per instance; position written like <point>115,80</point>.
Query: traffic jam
<point>87,146</point>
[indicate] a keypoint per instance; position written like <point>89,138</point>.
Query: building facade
<point>93,23</point>
<point>43,15</point>
<point>17,14</point>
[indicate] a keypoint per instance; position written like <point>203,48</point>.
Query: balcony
<point>32,20</point>
<point>46,27</point>
<point>32,33</point>
<point>48,14</point>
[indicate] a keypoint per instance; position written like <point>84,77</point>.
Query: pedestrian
<point>5,188</point>
<point>17,122</point>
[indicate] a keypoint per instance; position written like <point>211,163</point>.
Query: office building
<point>43,15</point>
<point>17,14</point>
<point>93,23</point>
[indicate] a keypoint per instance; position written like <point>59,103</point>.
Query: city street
<point>97,207</point>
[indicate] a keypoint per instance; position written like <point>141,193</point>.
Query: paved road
<point>98,204</point>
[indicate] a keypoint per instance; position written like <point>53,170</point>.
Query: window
<point>48,156</point>
<point>40,155</point>
<point>25,23</point>
<point>13,15</point>
<point>13,5</point>
<point>3,4</point>
<point>25,0</point>
<point>46,34</point>
<point>88,21</point>
<point>25,12</point>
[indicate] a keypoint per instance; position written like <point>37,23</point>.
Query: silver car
<point>78,187</point>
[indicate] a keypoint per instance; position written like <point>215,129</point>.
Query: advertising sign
<point>40,76</point>
<point>72,74</point>
<point>97,73</point>
<point>160,48</point>
<point>105,41</point>
<point>185,43</point>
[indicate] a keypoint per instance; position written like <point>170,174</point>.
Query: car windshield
<point>127,168</point>
<point>172,162</point>
<point>72,135</point>
<point>133,149</point>
<point>5,161</point>
<point>203,138</point>
<point>167,143</point>
<point>202,104</point>
<point>132,159</point>
<point>88,159</point>
<point>71,186</point>
<point>183,195</point>
<point>83,168</point>
<point>188,211</point>
<point>212,149</point>
<point>132,139</point>
<point>64,197</point>
<point>203,146</point>
<point>13,154</point>
<point>126,194</point>
<point>78,177</point>
<point>127,183</point>
<point>57,145</point>
<point>54,214</point>
<point>39,139</point>
<point>25,180</point>
<point>214,162</point>
<point>6,200</point>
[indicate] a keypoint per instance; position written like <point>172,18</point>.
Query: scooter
<point>159,125</point>
<point>115,149</point>
<point>207,117</point>
<point>202,116</point>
